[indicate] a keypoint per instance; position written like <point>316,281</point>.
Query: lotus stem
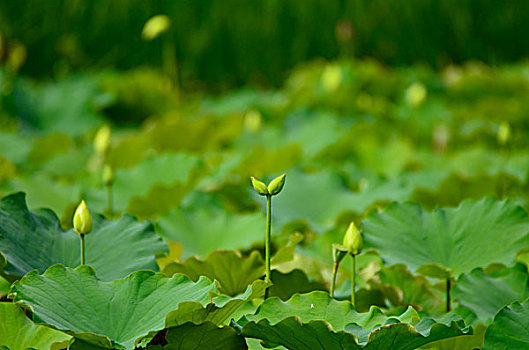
<point>353,282</point>
<point>82,250</point>
<point>448,285</point>
<point>333,280</point>
<point>268,236</point>
<point>109,202</point>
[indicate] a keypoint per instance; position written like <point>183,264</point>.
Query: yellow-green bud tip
<point>353,240</point>
<point>276,185</point>
<point>102,140</point>
<point>259,186</point>
<point>504,133</point>
<point>108,175</point>
<point>82,221</point>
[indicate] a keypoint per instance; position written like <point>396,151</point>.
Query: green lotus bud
<point>415,94</point>
<point>276,185</point>
<point>82,221</point>
<point>108,175</point>
<point>353,240</point>
<point>504,133</point>
<point>155,26</point>
<point>102,140</point>
<point>259,186</point>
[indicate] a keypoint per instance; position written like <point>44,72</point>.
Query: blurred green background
<point>219,44</point>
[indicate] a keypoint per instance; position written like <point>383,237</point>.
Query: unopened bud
<point>108,175</point>
<point>504,133</point>
<point>276,185</point>
<point>259,186</point>
<point>353,240</point>
<point>82,221</point>
<point>102,140</point>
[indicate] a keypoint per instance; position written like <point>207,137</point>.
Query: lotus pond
<point>402,221</point>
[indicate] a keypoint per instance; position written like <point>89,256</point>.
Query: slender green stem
<point>448,307</point>
<point>268,276</point>
<point>109,202</point>
<point>268,236</point>
<point>353,281</point>
<point>333,281</point>
<point>82,249</point>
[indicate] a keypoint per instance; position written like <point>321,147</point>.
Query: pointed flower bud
<point>276,185</point>
<point>102,140</point>
<point>504,133</point>
<point>108,175</point>
<point>82,221</point>
<point>259,186</point>
<point>353,240</point>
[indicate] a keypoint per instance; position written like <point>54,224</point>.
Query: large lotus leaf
<point>165,170</point>
<point>232,271</point>
<point>203,230</point>
<point>320,306</point>
<point>321,197</point>
<point>460,239</point>
<point>119,311</point>
<point>218,312</point>
<point>17,332</point>
<point>293,334</point>
<point>205,336</point>
<point>508,331</point>
<point>34,240</point>
<point>502,288</point>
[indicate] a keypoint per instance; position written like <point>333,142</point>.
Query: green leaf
<point>205,336</point>
<point>502,288</point>
<point>293,334</point>
<point>18,332</point>
<point>508,331</point>
<point>321,197</point>
<point>404,336</point>
<point>34,240</point>
<point>460,239</point>
<point>320,306</point>
<point>203,230</point>
<point>286,285</point>
<point>141,188</point>
<point>233,272</point>
<point>119,311</point>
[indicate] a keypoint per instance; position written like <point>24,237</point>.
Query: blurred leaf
<point>475,234</point>
<point>286,285</point>
<point>76,300</point>
<point>18,332</point>
<point>205,336</point>
<point>49,146</point>
<point>502,288</point>
<point>203,230</point>
<point>232,271</point>
<point>34,240</point>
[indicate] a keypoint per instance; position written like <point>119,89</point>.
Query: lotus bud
<point>276,185</point>
<point>259,186</point>
<point>353,240</point>
<point>108,175</point>
<point>504,133</point>
<point>155,26</point>
<point>415,94</point>
<point>102,140</point>
<point>82,221</point>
